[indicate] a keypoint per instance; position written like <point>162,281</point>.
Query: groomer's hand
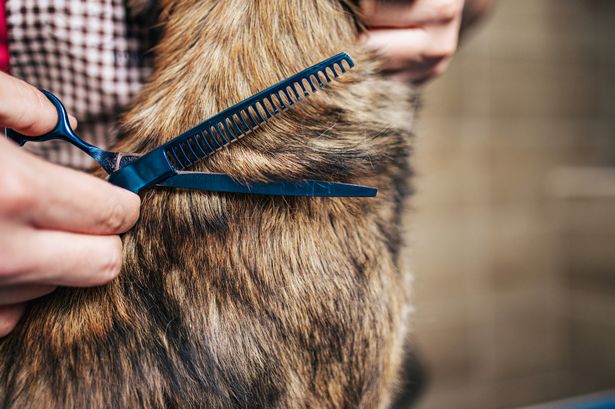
<point>58,227</point>
<point>417,38</point>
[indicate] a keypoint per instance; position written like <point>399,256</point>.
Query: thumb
<point>24,108</point>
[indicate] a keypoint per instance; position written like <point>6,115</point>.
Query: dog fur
<point>239,301</point>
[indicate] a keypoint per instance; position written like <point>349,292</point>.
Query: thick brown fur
<point>237,301</point>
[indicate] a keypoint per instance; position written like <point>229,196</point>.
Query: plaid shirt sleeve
<point>93,54</point>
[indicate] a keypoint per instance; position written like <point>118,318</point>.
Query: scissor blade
<point>220,182</point>
<point>228,126</point>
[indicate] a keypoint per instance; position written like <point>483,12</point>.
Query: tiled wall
<point>511,235</point>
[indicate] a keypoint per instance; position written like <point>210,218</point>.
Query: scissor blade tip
<point>367,192</point>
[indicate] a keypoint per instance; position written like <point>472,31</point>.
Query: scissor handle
<point>62,130</point>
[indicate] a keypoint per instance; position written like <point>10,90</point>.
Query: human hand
<point>57,226</point>
<point>417,38</point>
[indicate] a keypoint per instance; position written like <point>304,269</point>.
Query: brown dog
<point>238,301</point>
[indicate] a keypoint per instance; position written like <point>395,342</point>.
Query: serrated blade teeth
<point>241,119</point>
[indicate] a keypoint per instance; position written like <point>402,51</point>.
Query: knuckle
<point>132,210</point>
<point>8,267</point>
<point>112,263</point>
<point>447,10</point>
<point>439,70</point>
<point>43,106</point>
<point>30,124</point>
<point>16,193</point>
<point>114,219</point>
<point>444,50</point>
<point>450,46</point>
<point>12,266</point>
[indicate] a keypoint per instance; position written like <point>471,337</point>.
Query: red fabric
<point>4,44</point>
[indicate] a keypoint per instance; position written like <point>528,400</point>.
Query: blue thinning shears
<point>166,165</point>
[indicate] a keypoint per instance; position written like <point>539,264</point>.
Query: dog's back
<point>228,300</point>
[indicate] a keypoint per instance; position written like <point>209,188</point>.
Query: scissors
<point>165,166</point>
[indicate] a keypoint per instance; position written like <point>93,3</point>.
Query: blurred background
<point>511,234</point>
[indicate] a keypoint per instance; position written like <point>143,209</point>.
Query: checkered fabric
<point>92,54</point>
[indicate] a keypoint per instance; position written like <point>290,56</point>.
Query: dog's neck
<point>237,47</point>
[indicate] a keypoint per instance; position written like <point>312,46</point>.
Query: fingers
<point>399,45</point>
<point>20,293</point>
<point>419,53</point>
<point>410,13</point>
<point>81,203</point>
<point>48,196</point>
<point>58,259</point>
<point>415,38</point>
<point>421,75</point>
<point>9,316</point>
<point>413,44</point>
<point>29,111</point>
<point>57,226</point>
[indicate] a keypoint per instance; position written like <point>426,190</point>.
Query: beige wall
<point>511,234</point>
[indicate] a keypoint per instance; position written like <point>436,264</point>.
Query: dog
<point>241,301</point>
